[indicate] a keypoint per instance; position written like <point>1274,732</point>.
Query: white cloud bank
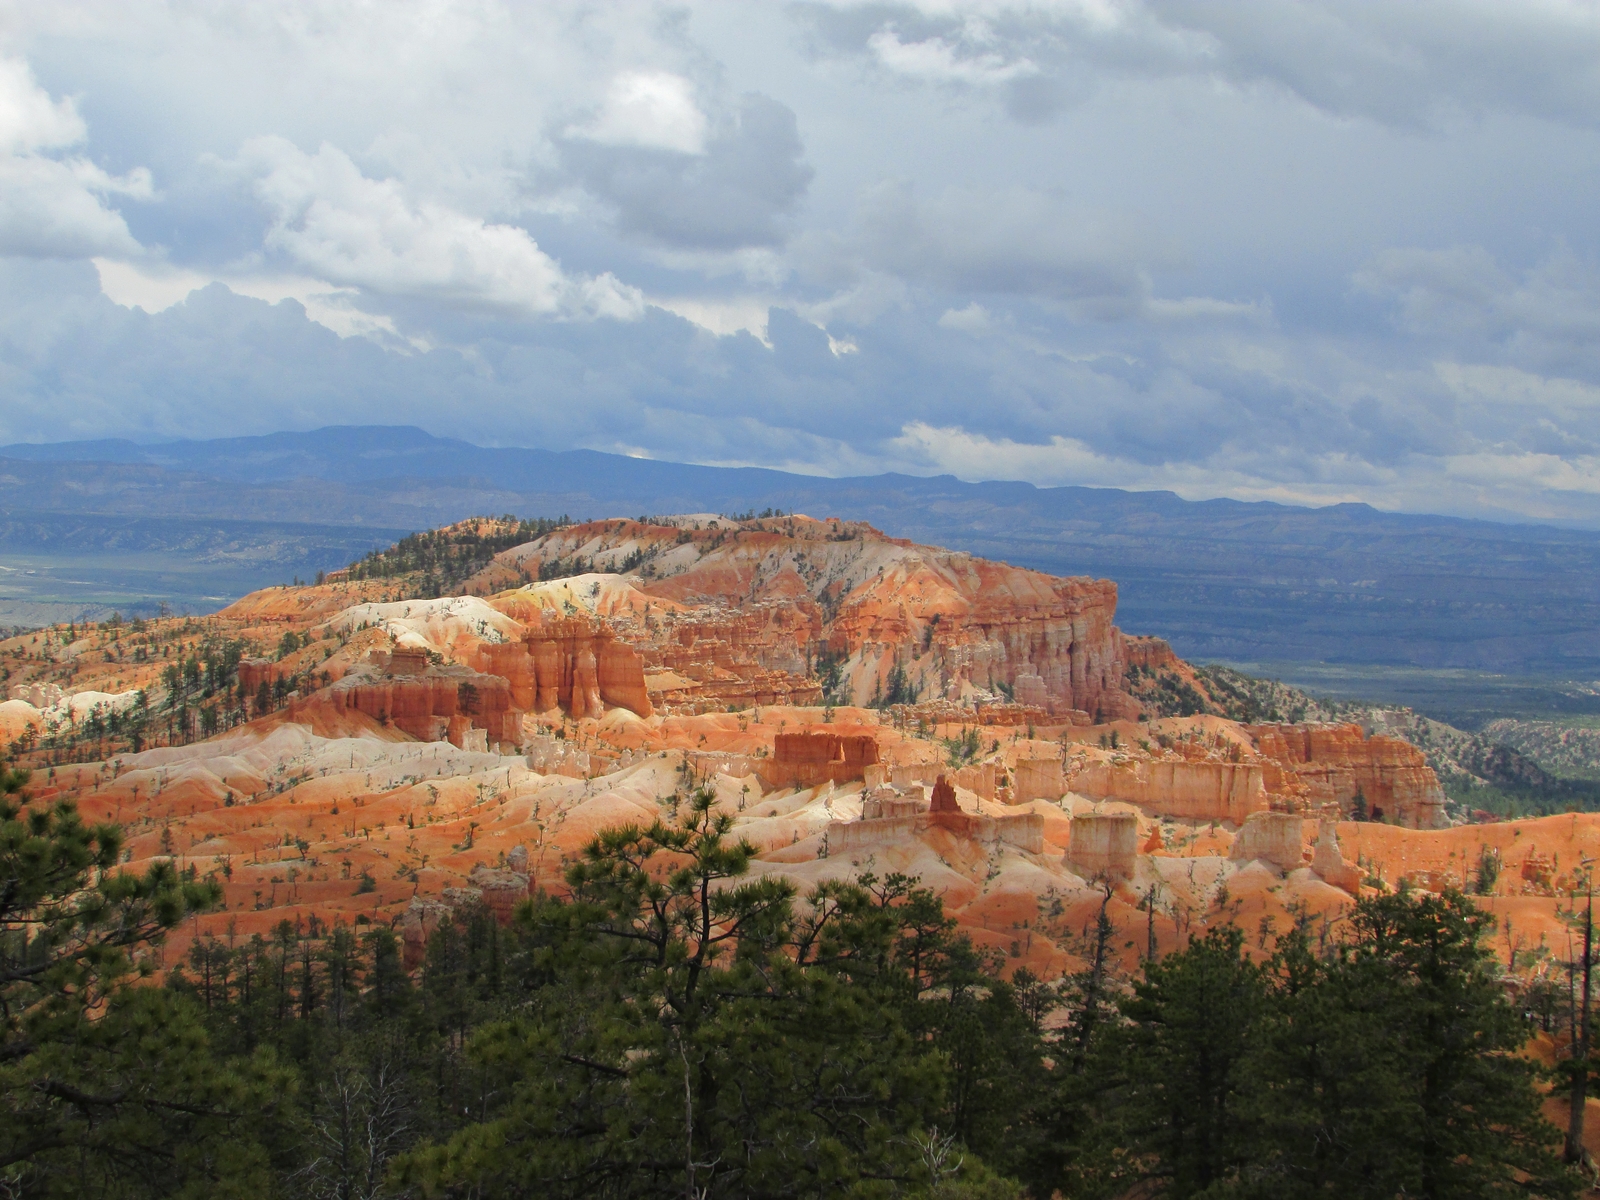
<point>333,221</point>
<point>54,206</point>
<point>1497,485</point>
<point>651,109</point>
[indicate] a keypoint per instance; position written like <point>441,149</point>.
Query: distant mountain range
<point>1221,579</point>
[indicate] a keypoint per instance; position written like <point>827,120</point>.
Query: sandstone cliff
<point>1315,765</point>
<point>1196,791</point>
<point>767,611</point>
<point>432,703</point>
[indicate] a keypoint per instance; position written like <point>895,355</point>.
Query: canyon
<point>854,702</point>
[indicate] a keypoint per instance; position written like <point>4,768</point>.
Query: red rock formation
<point>416,925</point>
<point>432,703</point>
<point>1037,779</point>
<point>806,760</point>
<point>499,890</point>
<point>1315,765</point>
<point>1329,862</point>
<point>888,819</point>
<point>716,657</point>
<point>577,664</point>
<point>979,778</point>
<point>884,803</point>
<point>768,599</point>
<point>513,663</point>
<point>1150,654</point>
<point>1271,837</point>
<point>253,672</point>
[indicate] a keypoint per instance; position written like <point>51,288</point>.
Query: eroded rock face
<point>890,818</point>
<point>417,924</point>
<point>576,664</point>
<point>754,612</point>
<point>979,778</point>
<point>431,702</point>
<point>1150,653</point>
<point>1316,765</point>
<point>715,657</point>
<point>253,672</point>
<point>1271,837</point>
<point>1194,791</point>
<point>1328,860</point>
<point>500,890</point>
<point>1104,845</point>
<point>1038,779</point>
<point>805,760</point>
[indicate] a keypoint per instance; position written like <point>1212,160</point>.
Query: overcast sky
<point>1294,250</point>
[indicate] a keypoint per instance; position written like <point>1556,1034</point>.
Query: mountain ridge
<point>1221,579</point>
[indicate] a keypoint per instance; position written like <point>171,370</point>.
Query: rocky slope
<point>1566,748</point>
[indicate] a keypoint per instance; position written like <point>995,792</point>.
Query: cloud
<point>736,189</point>
<point>911,397</point>
<point>155,287</point>
<point>935,60</point>
<point>1015,241</point>
<point>974,319</point>
<point>29,120</point>
<point>1497,485</point>
<point>723,317</point>
<point>1190,309</point>
<point>1413,64</point>
<point>1507,386</point>
<point>55,207</point>
<point>330,219</point>
<point>653,110</point>
<point>1192,262</point>
<point>1546,315</point>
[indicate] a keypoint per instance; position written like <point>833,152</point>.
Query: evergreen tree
<point>691,1033</point>
<point>110,1089</point>
<point>1385,1068</point>
<point>1167,1084</point>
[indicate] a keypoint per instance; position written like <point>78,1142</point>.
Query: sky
<point>1287,249</point>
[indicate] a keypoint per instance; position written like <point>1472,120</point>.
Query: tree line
<point>676,1024</point>
<point>448,557</point>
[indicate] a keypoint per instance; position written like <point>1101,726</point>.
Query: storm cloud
<point>1306,251</point>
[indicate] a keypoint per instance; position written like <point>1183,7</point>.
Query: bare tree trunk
<point>1578,1099</point>
<point>688,1125</point>
<point>1150,925</point>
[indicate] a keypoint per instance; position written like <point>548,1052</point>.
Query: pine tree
<point>687,1031</point>
<point>110,1089</point>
